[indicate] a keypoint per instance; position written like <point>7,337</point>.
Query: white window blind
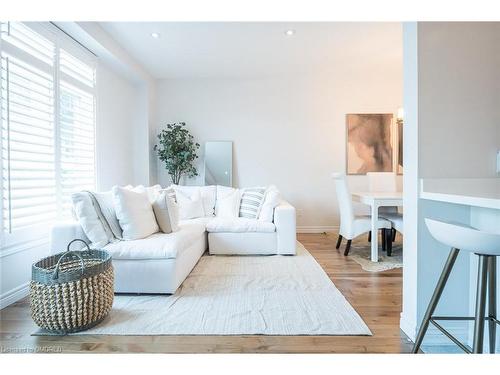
<point>47,125</point>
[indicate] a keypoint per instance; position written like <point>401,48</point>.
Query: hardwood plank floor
<point>375,296</point>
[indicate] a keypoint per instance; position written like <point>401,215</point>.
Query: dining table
<point>376,200</point>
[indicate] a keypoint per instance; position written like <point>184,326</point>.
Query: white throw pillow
<point>208,196</point>
<point>228,202</point>
<point>166,212</point>
<point>190,206</point>
<point>88,218</point>
<point>271,201</point>
<point>153,192</point>
<point>173,210</point>
<point>134,212</point>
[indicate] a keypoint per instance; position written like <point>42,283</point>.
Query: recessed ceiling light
<point>289,32</point>
<point>155,35</point>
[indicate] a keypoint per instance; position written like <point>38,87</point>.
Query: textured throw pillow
<point>107,207</point>
<point>166,212</point>
<point>271,201</point>
<point>251,202</point>
<point>86,212</point>
<point>134,212</point>
<point>190,206</point>
<point>208,195</point>
<point>228,202</point>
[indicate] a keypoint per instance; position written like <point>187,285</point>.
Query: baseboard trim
<point>434,337</point>
<point>14,295</point>
<point>317,229</point>
<point>408,327</point>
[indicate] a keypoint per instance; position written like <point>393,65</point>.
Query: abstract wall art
<point>369,143</point>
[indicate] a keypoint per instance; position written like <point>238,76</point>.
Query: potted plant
<point>177,150</point>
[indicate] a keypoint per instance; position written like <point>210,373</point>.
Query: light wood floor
<point>375,296</point>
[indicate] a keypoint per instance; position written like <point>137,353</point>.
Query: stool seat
<point>464,237</point>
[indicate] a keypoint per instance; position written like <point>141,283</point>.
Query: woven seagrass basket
<point>72,291</point>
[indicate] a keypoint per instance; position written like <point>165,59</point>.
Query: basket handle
<point>77,239</point>
<point>68,252</point>
<point>56,269</point>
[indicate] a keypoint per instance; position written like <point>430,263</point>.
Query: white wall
<point>451,131</point>
<point>120,111</point>
<point>286,130</point>
<point>410,178</point>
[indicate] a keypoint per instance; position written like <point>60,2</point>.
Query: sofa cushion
<point>166,212</point>
<point>92,224</point>
<point>251,202</point>
<point>152,192</point>
<point>271,201</point>
<point>158,245</point>
<point>228,202</point>
<point>208,195</point>
<point>199,220</point>
<point>134,212</point>
<point>238,225</point>
<point>190,206</point>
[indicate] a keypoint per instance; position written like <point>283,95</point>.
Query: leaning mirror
<point>219,163</point>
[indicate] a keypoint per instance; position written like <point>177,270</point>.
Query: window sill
<point>23,246</point>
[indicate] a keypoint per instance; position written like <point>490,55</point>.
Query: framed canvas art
<point>369,143</point>
<point>400,147</point>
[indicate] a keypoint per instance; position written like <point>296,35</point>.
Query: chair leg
<point>339,241</point>
<point>452,257</point>
<point>492,301</point>
<point>393,231</point>
<point>389,242</point>
<point>482,275</point>
<point>384,240</point>
<point>370,236</point>
<point>347,248</point>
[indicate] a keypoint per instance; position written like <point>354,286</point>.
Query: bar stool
<point>486,245</point>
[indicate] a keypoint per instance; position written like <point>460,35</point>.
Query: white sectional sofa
<point>161,262</point>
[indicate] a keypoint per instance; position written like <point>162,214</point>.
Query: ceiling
<point>254,49</point>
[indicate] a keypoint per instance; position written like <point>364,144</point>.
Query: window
<point>47,126</point>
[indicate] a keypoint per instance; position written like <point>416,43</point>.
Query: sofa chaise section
<point>241,236</point>
<point>156,264</point>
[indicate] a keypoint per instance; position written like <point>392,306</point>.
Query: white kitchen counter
<point>475,192</point>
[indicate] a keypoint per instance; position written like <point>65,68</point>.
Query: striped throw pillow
<point>251,202</point>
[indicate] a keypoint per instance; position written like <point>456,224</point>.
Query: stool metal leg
<point>482,274</point>
<point>492,300</point>
<point>452,257</point>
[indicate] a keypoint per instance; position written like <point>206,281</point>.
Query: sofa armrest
<point>64,232</point>
<point>285,221</point>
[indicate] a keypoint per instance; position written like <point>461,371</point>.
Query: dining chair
<point>352,225</point>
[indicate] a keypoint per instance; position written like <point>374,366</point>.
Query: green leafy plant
<point>177,150</point>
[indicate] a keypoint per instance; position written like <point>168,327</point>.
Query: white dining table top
<point>380,194</point>
<point>381,197</point>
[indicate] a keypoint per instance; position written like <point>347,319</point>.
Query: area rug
<point>240,295</point>
<point>361,253</point>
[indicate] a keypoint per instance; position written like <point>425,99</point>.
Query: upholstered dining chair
<point>351,225</point>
